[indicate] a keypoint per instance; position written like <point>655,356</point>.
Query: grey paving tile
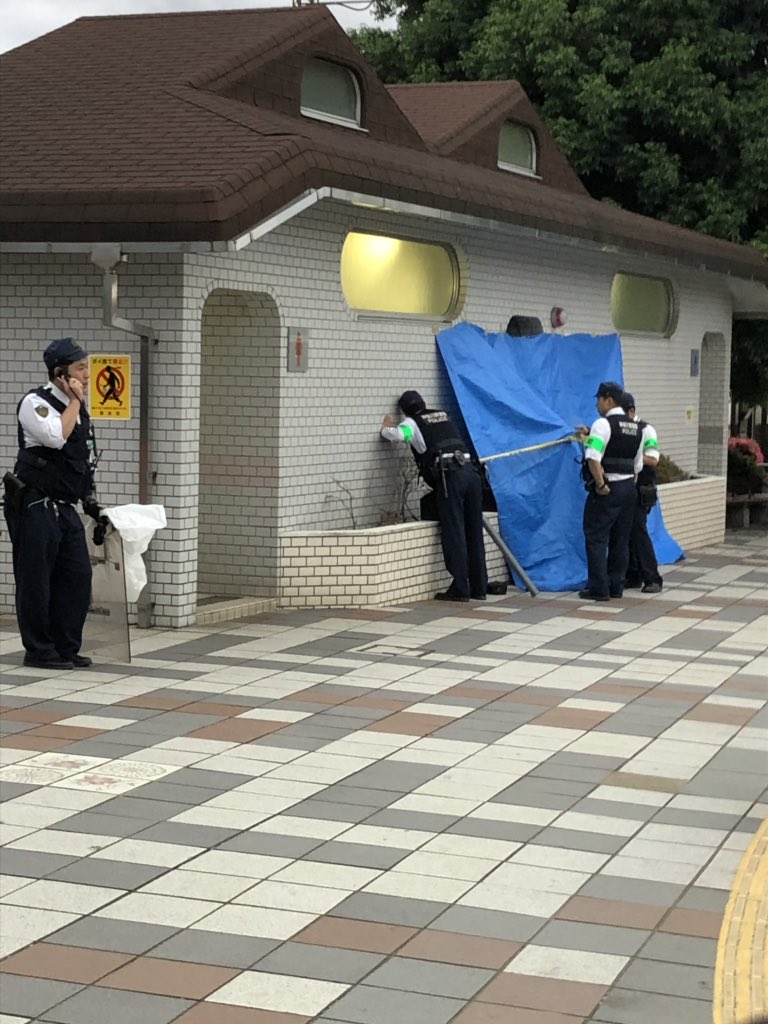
<point>492,924</point>
<point>103,824</point>
<point>530,797</point>
<point>366,1004</point>
<point>680,949</point>
<point>301,743</point>
<point>729,785</point>
<point>102,748</point>
<point>700,898</point>
<point>366,906</point>
<point>669,979</point>
<point>572,774</point>
<point>616,809</point>
<point>28,997</point>
<point>98,1005</point>
<point>109,873</point>
<point>484,828</point>
<point>321,962</point>
<point>696,819</point>
<point>343,794</point>
<point>418,820</point>
<point>174,792</point>
<point>294,847</point>
<point>116,936</point>
<point>328,811</point>
<point>397,776</point>
<point>9,728</point>
<point>634,890</point>
<point>33,865</point>
<point>221,950</point>
<point>152,810</point>
<point>180,833</point>
<point>358,854</point>
<point>593,938</point>
<point>10,790</point>
<point>207,779</point>
<point>430,978</point>
<point>572,839</point>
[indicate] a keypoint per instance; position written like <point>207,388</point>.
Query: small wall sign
<point>110,387</point>
<point>695,362</point>
<point>298,349</point>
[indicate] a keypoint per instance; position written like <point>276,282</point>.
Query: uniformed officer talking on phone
<point>53,472</point>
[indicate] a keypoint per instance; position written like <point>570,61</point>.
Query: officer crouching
<point>613,457</point>
<point>51,565</point>
<point>445,466</point>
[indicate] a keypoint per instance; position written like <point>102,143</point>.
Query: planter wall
<point>694,511</point>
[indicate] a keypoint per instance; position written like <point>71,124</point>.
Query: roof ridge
<point>421,85</point>
<point>198,13</point>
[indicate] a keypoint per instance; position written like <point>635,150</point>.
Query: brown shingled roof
<point>186,127</point>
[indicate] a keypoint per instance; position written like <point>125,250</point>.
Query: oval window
<point>381,274</point>
<point>641,304</point>
<point>517,148</point>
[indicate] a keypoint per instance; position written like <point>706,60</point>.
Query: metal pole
<point>510,559</point>
<point>530,448</point>
<point>145,604</point>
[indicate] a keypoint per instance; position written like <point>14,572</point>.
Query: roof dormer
<point>331,92</point>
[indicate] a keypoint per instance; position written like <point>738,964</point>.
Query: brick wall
<point>329,417</point>
<point>694,511</point>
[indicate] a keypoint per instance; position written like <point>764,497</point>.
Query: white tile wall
<point>325,438</point>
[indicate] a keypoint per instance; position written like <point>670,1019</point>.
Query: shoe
<point>590,595</point>
<point>81,661</point>
<point>617,595</point>
<point>477,597</point>
<point>633,585</point>
<point>651,588</point>
<point>30,661</point>
<point>448,595</point>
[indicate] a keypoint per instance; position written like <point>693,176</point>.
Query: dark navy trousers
<point>52,570</point>
<point>607,527</point>
<point>643,567</point>
<point>460,511</point>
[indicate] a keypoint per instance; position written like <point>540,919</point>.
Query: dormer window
<point>330,92</point>
<point>517,149</point>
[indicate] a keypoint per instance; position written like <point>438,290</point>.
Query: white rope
<point>531,448</point>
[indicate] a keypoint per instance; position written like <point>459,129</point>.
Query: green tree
<point>660,105</point>
<point>749,363</point>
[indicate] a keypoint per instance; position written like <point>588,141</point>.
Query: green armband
<point>596,443</point>
<point>407,431</point>
<point>651,443</point>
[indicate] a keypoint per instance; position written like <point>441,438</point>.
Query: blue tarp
<point>516,392</point>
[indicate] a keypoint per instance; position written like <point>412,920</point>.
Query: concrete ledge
<point>694,511</point>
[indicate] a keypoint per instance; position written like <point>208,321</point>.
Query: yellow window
<point>641,304</point>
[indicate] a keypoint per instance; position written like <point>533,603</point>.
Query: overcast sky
<point>26,19</point>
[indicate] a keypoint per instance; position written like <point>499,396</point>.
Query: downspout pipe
<point>106,258</point>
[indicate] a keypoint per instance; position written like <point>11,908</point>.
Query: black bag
<point>647,496</point>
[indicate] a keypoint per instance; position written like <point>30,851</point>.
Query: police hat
<point>62,352</point>
<point>610,389</point>
<point>411,402</point>
<point>628,401</point>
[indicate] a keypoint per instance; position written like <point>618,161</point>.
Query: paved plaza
<point>517,812</point>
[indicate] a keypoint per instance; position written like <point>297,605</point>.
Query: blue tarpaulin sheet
<point>516,392</point>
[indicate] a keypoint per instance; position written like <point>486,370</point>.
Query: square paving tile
<point>389,909</point>
<point>29,997</point>
<point>543,993</point>
<point>63,963</point>
<point>266,991</point>
<point>100,1005</point>
<point>115,936</point>
<point>348,933</point>
<point>164,977</point>
<point>366,1004</point>
<point>464,950</point>
<point>490,1013</point>
<point>430,978</point>
<point>219,1013</point>
<point>320,962</point>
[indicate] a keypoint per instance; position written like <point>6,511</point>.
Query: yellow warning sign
<point>110,388</point>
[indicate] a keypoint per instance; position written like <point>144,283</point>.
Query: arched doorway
<point>239,446</point>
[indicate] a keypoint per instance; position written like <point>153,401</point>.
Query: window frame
<point>526,172</point>
<point>323,115</point>
<point>673,306</point>
<point>366,313</point>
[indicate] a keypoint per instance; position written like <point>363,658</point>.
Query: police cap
<point>62,352</point>
<point>628,401</point>
<point>411,402</point>
<point>610,389</point>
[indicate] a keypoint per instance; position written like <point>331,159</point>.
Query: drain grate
<point>393,650</point>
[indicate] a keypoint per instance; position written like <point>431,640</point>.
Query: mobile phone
<point>61,371</point>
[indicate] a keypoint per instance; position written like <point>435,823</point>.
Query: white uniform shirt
<point>407,431</point>
<point>40,422</point>
<point>601,429</point>
<point>649,445</point>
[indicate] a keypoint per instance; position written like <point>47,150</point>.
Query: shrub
<point>668,472</point>
<point>744,474</point>
<point>748,445</point>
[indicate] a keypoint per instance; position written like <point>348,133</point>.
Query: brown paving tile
<point>236,730</point>
<point>221,1013</point>
<point>321,697</point>
<point>542,993</point>
<point>686,613</point>
<point>584,614</point>
<point>408,724</point>
<point>34,714</point>
<point>522,697</point>
<point>590,910</point>
<point>704,924</point>
<point>663,692</point>
<point>169,978</point>
<point>63,963</point>
<point>571,718</point>
<point>464,950</point>
<point>492,1013</point>
<point>65,732</point>
<point>382,703</point>
<point>475,692</point>
<point>722,714</point>
<point>348,933</point>
<point>633,781</point>
<point>149,700</point>
<point>27,741</point>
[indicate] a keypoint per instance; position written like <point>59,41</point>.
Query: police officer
<point>613,458</point>
<point>51,564</point>
<point>643,570</point>
<point>444,464</point>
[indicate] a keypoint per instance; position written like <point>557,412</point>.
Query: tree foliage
<point>749,362</point>
<point>660,105</point>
